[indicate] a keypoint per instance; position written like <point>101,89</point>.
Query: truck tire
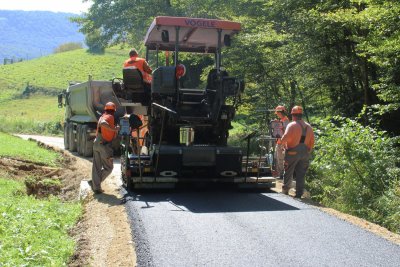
<point>86,143</point>
<point>66,135</point>
<point>72,141</point>
<point>78,139</point>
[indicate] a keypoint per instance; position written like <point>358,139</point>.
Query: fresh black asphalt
<point>215,227</point>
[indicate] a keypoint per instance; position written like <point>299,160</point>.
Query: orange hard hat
<point>110,106</point>
<point>280,108</point>
<point>297,110</point>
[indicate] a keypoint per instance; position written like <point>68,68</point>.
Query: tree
<point>95,42</point>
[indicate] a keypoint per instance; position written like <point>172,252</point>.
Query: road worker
<point>134,61</point>
<point>140,141</point>
<point>102,147</point>
<point>299,141</point>
<point>280,111</point>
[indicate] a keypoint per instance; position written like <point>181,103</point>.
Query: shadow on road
<point>210,200</point>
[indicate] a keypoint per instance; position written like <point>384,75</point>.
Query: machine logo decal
<point>200,23</point>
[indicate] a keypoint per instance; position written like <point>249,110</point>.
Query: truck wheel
<point>66,135</point>
<point>78,139</point>
<point>86,144</point>
<point>72,142</point>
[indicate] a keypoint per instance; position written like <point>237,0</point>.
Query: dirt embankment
<point>103,234</point>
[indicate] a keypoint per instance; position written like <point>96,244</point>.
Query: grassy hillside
<point>49,75</point>
<point>55,71</point>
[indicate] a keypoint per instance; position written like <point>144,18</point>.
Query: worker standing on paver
<point>102,147</point>
<point>299,141</point>
<point>136,62</point>
<point>280,111</point>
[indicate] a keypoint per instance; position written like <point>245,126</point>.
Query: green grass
<point>37,107</point>
<point>34,232</point>
<point>15,147</point>
<point>54,72</point>
<point>37,114</point>
<point>50,74</point>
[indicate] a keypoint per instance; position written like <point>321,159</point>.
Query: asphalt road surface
<point>225,227</point>
<point>229,228</point>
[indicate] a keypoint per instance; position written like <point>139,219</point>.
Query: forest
<point>339,59</point>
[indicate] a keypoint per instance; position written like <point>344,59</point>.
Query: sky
<point>68,6</point>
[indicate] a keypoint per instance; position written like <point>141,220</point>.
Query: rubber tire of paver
<point>126,179</point>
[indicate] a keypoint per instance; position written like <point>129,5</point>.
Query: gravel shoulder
<point>106,238</point>
<point>364,224</point>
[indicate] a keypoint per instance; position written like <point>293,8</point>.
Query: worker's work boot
<point>98,191</point>
<point>285,191</point>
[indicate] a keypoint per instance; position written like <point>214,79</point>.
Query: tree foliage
<point>356,170</point>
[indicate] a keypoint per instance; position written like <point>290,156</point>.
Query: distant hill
<point>31,34</point>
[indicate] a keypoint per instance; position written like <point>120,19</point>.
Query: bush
<point>68,47</point>
<point>13,125</point>
<point>355,170</point>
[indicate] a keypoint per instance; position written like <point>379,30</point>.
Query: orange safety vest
<point>142,130</point>
<point>137,62</point>
<point>106,134</point>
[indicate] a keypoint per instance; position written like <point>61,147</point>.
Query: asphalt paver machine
<point>183,134</point>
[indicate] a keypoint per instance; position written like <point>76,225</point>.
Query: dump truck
<point>171,133</point>
<point>84,103</point>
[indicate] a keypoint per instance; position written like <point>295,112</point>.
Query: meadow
<point>28,90</point>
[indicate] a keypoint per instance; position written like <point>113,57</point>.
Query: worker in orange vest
<point>280,111</point>
<point>134,61</point>
<point>299,141</point>
<point>102,147</point>
<point>139,140</point>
